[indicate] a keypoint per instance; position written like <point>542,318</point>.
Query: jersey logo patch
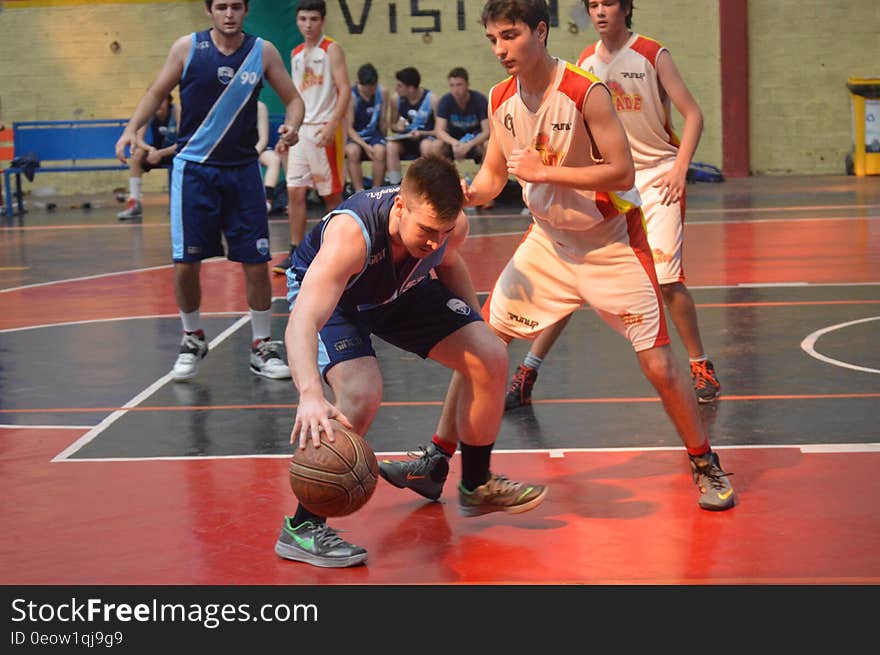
<point>225,74</point>
<point>458,306</point>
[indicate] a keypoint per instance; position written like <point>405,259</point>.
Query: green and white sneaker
<point>716,494</point>
<point>499,494</point>
<point>317,544</point>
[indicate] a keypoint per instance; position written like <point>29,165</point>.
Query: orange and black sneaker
<point>519,393</point>
<point>716,494</point>
<point>705,381</point>
<point>424,474</point>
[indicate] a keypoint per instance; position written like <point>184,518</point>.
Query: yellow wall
<point>58,63</point>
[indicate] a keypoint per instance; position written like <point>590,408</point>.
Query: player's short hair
<point>435,180</point>
<point>312,5</point>
<point>409,76</point>
<point>626,5</point>
<point>460,73</point>
<point>530,12</point>
<point>367,75</point>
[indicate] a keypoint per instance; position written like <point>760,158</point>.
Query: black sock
<point>474,465</point>
<point>302,514</point>
<point>270,193</point>
<point>293,247</point>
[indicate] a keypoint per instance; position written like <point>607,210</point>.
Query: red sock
<point>444,446</point>
<point>700,450</point>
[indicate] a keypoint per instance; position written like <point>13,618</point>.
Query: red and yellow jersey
<point>557,130</point>
<point>312,75</point>
<point>644,110</point>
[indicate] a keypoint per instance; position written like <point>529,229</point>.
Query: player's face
<point>228,17</point>
<point>310,24</point>
<point>516,45</point>
<point>458,87</point>
<point>419,228</point>
<point>607,16</point>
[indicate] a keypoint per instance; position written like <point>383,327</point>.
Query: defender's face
<point>419,228</point>
<point>228,17</point>
<point>515,44</point>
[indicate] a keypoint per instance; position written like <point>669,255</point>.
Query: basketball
<point>339,477</point>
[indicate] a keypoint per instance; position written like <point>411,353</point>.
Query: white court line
<point>808,345</point>
<point>120,318</point>
<point>143,395</point>
<point>554,453</point>
<point>45,427</point>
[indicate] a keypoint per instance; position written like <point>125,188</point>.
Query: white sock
<point>261,324</point>
<point>192,321</point>
<point>134,188</point>
<point>394,177</point>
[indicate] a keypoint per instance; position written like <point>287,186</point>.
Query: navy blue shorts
<point>416,321</point>
<point>210,202</point>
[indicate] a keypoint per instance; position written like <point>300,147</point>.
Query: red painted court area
<point>113,475</point>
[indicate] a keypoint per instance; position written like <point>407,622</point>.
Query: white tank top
<point>631,75</point>
<point>312,75</point>
<point>557,130</point>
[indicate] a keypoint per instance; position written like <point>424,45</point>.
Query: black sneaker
<point>424,474</point>
<point>316,544</point>
<point>281,267</point>
<point>706,384</point>
<point>716,494</point>
<point>500,494</point>
<point>519,393</point>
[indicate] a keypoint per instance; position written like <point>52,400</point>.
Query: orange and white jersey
<point>557,130</point>
<point>631,75</point>
<point>312,75</point>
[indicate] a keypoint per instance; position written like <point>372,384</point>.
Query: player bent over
<point>365,270</point>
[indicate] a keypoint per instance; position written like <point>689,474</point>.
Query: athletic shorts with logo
<point>309,165</point>
<point>415,321</point>
<point>211,202</point>
<point>554,272</point>
<point>665,224</point>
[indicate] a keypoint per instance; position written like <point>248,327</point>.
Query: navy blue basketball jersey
<point>378,283</point>
<point>218,102</point>
<point>367,113</point>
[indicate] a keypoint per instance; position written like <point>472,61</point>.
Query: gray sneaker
<point>193,349</point>
<point>132,210</point>
<point>716,494</point>
<point>499,494</point>
<point>424,474</point>
<point>317,544</point>
<point>266,361</point>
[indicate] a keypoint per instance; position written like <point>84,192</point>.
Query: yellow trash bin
<point>865,94</point>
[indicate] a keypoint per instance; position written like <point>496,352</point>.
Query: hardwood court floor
<point>112,474</point>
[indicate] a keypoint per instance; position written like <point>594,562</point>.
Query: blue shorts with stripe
<point>210,202</point>
<point>416,321</point>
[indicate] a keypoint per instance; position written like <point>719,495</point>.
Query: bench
<point>74,146</point>
<point>63,147</point>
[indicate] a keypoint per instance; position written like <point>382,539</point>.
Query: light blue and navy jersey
<point>419,116</point>
<point>378,282</point>
<point>218,102</point>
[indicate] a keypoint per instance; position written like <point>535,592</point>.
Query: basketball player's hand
<point>312,417</point>
<point>287,137</point>
<point>672,186</point>
<point>468,194</point>
<point>526,164</point>
<point>128,139</point>
<point>154,156</point>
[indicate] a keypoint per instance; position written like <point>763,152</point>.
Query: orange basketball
<point>339,477</point>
